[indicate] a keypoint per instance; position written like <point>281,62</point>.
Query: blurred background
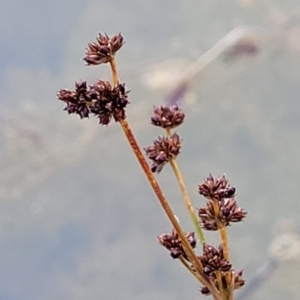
<point>78,220</point>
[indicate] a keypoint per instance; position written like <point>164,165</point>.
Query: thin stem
<point>186,196</point>
<point>219,279</point>
<point>157,190</point>
<point>114,72</point>
<point>224,239</point>
<point>188,266</point>
<point>187,200</point>
<point>222,230</point>
<point>231,289</point>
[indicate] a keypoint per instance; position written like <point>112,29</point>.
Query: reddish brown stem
<point>157,190</point>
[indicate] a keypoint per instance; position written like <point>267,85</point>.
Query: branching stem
<point>163,201</point>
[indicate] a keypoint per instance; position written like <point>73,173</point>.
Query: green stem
<point>187,200</point>
<point>186,197</point>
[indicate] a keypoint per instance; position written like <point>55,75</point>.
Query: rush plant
<point>108,101</point>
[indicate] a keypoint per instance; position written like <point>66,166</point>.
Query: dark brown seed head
<point>167,117</point>
<point>81,91</point>
<point>109,102</point>
<point>238,279</point>
<point>208,217</point>
<point>77,101</point>
<point>103,49</point>
<point>216,188</point>
<point>80,109</point>
<point>66,96</point>
<point>101,99</point>
<point>162,151</point>
<point>117,41</point>
<point>216,215</point>
<point>230,211</point>
<point>219,270</point>
<point>231,280</point>
<point>173,243</point>
<point>213,260</point>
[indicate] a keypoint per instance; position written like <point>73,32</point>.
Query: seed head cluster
<point>229,282</point>
<point>173,243</point>
<point>100,99</point>
<point>103,49</point>
<point>216,188</point>
<point>213,259</point>
<point>167,117</point>
<point>219,270</point>
<point>221,208</point>
<point>162,151</point>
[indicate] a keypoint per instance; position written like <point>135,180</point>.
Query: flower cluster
<point>216,188</point>
<point>213,259</point>
<point>100,99</point>
<point>219,271</point>
<point>162,151</point>
<point>173,243</point>
<point>221,208</point>
<point>167,117</point>
<point>103,49</point>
